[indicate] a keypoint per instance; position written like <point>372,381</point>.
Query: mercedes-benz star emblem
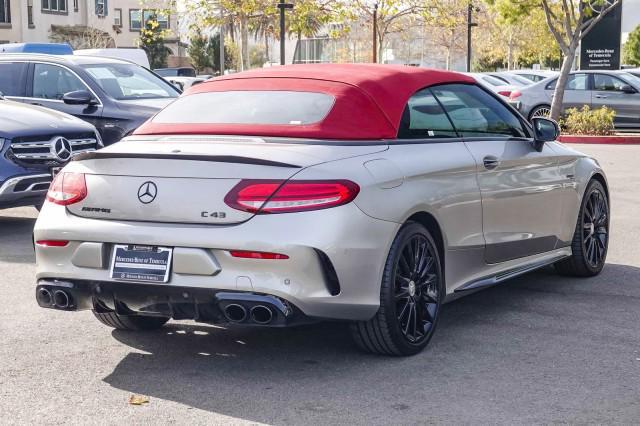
<point>61,149</point>
<point>147,192</point>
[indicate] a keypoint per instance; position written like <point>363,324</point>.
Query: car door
<point>13,78</point>
<point>608,91</point>
<point>577,91</point>
<point>521,188</point>
<point>48,84</point>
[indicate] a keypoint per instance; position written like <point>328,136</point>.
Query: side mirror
<point>79,97</point>
<point>544,130</point>
<point>628,89</point>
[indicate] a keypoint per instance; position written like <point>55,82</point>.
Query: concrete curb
<point>607,140</point>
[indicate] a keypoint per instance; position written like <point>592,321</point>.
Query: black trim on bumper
<point>180,303</point>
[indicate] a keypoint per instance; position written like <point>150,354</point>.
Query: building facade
<point>118,21</point>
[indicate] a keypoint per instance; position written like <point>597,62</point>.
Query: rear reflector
<point>67,188</point>
<point>52,243</point>
<point>505,93</point>
<point>278,196</point>
<point>257,255</point>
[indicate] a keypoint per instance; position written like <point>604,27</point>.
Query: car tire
<point>130,322</point>
<point>540,111</point>
<point>591,237</point>
<point>414,285</point>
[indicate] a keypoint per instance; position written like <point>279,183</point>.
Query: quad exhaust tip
<point>44,296</point>
<point>61,299</point>
<point>235,312</point>
<point>261,314</point>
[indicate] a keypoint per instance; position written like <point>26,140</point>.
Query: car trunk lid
<point>186,179</point>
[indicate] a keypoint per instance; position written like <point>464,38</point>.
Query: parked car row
<point>618,90</point>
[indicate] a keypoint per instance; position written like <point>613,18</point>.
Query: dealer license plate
<point>141,263</point>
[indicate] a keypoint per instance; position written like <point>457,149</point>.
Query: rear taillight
<point>278,196</point>
<point>52,243</point>
<point>504,93</point>
<point>515,94</point>
<point>67,188</point>
<point>245,254</point>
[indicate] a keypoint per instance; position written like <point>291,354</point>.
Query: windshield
<point>493,81</point>
<point>632,78</point>
<point>129,81</point>
<point>248,107</point>
<point>520,80</point>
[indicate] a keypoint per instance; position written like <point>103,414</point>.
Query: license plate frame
<point>143,264</point>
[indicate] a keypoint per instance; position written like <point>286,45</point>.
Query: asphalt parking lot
<point>539,349</point>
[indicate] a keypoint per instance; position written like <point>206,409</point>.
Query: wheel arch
<point>431,223</point>
<point>600,178</point>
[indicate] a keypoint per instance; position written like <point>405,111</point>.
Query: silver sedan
<point>358,193</point>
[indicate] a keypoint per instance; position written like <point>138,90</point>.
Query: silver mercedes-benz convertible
<point>367,194</point>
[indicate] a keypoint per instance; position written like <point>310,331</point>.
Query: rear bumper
<point>180,303</point>
<point>334,270</point>
<point>24,190</point>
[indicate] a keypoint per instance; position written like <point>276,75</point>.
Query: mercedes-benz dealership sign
<point>600,49</point>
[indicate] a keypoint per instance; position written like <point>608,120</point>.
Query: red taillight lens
<point>505,93</point>
<point>515,94</point>
<point>67,188</point>
<point>258,255</point>
<point>271,196</point>
<point>52,243</point>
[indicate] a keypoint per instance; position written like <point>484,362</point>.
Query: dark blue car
<point>35,143</point>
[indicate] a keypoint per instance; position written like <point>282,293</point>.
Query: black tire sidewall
<point>594,184</point>
<point>388,286</point>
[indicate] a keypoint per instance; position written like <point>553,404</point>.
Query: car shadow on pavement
<point>276,375</point>
<point>15,239</point>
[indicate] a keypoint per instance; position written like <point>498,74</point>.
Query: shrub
<point>585,121</point>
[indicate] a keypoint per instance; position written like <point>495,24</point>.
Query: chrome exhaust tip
<point>235,313</point>
<point>44,296</point>
<point>261,314</point>
<point>61,299</point>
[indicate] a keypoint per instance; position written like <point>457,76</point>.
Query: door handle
<point>490,162</point>
<point>602,96</point>
<point>36,104</point>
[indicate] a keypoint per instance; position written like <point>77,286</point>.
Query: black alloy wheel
<point>595,229</point>
<point>591,236</point>
<point>416,289</point>
<point>410,297</point>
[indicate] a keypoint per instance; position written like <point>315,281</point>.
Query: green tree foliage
<point>152,41</point>
<point>568,20</point>
<point>197,52</point>
<point>632,48</point>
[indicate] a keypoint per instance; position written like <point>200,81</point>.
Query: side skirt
<point>508,274</point>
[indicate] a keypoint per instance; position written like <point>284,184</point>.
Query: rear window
<point>248,107</point>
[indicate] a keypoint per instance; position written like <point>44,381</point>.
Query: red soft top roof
<point>370,99</point>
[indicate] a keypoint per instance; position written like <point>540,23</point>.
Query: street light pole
<point>283,6</point>
<point>375,33</point>
<point>470,24</point>
<point>221,43</point>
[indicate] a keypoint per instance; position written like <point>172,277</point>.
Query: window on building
<point>5,12</point>
<point>102,8</point>
<point>54,6</point>
<point>163,20</point>
<point>117,17</point>
<point>135,19</point>
<point>30,13</point>
<point>75,5</point>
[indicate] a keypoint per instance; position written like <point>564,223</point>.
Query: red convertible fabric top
<point>370,99</point>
